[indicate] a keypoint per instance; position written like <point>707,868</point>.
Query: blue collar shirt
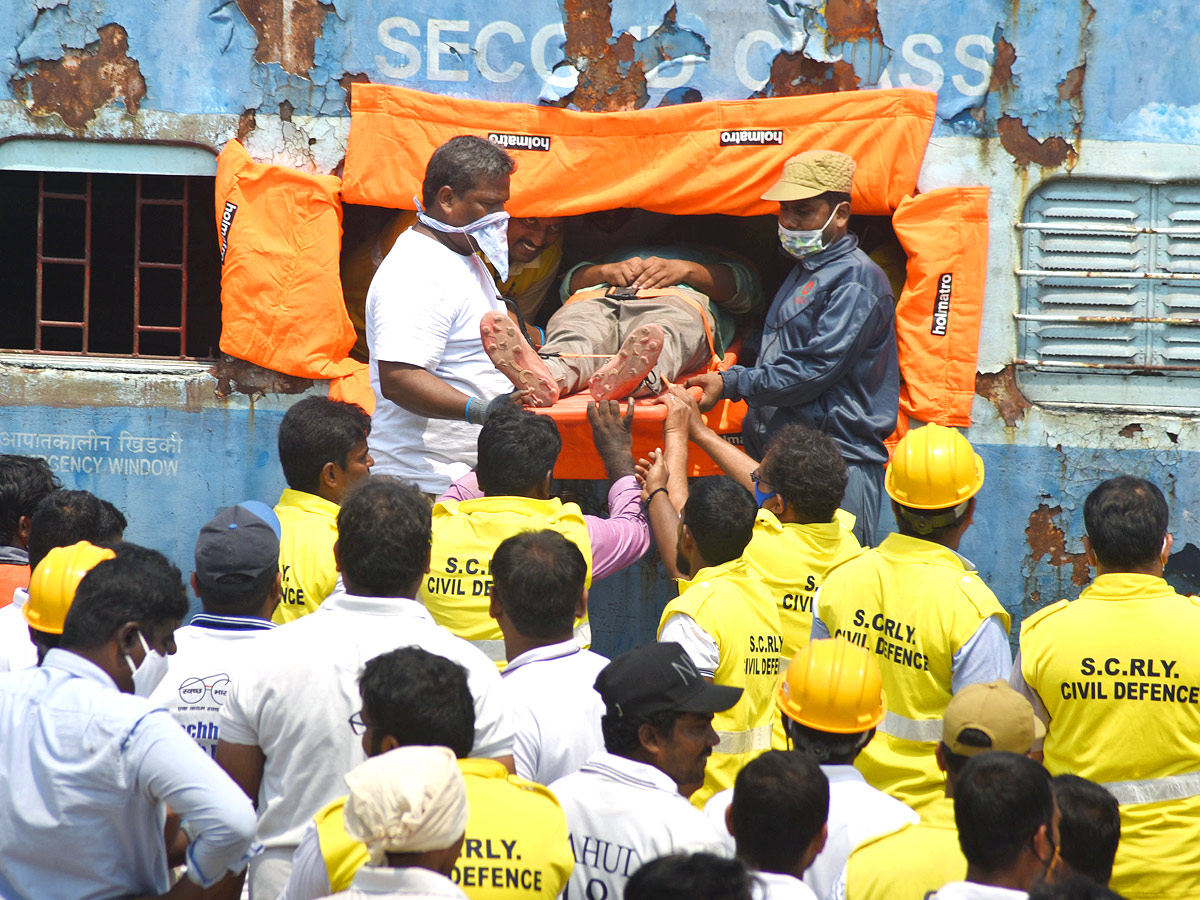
<point>86,775</point>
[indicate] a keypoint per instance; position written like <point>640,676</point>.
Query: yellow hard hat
<point>933,467</point>
<point>835,686</point>
<point>53,583</point>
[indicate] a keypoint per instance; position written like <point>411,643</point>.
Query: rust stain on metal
<point>1000,389</point>
<point>352,78</point>
<point>1130,430</point>
<point>287,31</point>
<point>1071,87</point>
<point>237,375</point>
<point>852,20</point>
<point>796,75</point>
<point>1024,148</point>
<point>609,78</point>
<point>1006,55</point>
<point>247,122</point>
<point>285,110</point>
<point>78,85</point>
<point>1047,539</point>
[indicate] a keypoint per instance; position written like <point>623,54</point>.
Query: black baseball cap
<point>237,552</point>
<point>657,678</point>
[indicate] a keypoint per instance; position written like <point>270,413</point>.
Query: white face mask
<point>801,244</point>
<point>151,672</point>
<point>489,232</point>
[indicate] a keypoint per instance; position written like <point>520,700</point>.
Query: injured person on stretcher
<point>629,325</point>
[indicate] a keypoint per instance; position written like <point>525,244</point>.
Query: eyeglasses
<point>357,725</point>
<point>761,495</point>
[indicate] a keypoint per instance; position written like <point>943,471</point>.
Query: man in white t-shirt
<point>431,377</point>
<point>624,807</point>
<point>238,582</point>
<point>780,805</point>
<point>1007,827</point>
<point>284,736</point>
<point>537,594</point>
<point>832,699</point>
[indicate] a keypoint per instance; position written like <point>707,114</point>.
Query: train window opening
<point>102,264</point>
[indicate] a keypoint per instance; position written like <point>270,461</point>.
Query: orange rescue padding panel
<point>938,316</point>
<point>280,234</point>
<point>579,459</point>
<point>694,159</point>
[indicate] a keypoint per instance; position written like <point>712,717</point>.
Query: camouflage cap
<point>812,173</point>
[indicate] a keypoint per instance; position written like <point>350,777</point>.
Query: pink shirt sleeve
<point>624,537</point>
<point>466,488</point>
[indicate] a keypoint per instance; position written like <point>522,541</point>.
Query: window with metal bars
<point>1110,294</point>
<point>110,265</point>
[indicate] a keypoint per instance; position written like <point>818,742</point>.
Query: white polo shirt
<point>296,694</point>
<point>857,812</point>
<point>774,886</point>
<point>212,650</point>
<point>556,709</point>
<point>16,649</point>
<point>969,890</point>
<point>621,814</point>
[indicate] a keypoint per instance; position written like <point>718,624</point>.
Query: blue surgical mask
<point>490,233</point>
<point>802,244</point>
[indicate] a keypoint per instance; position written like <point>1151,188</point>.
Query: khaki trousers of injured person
<point>598,325</point>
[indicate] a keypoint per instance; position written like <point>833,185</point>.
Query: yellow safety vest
<point>308,531</point>
<point>908,863</point>
<point>791,561</point>
<point>1119,672</point>
<point>734,607</point>
<point>516,843</point>
<point>465,535</point>
<point>914,604</point>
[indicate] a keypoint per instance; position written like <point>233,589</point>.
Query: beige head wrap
<point>408,800</point>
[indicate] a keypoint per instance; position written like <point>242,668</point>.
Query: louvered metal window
<point>1110,293</point>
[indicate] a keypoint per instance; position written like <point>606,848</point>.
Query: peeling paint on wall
<point>75,86</point>
<point>1026,149</point>
<point>1001,390</point>
<point>1046,539</point>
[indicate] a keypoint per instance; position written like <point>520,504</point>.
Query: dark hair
<point>833,198</point>
<point>807,469</point>
<point>972,737</point>
<point>696,876</point>
<point>780,802</point>
<point>1000,801</point>
<point>720,515</point>
<point>826,747</point>
<point>383,537</point>
<point>316,431</point>
<point>462,163</point>
<point>68,517</point>
<point>237,594</point>
<point>139,585</point>
<point>1126,522</point>
<point>1089,828</point>
<point>419,698</point>
<point>538,577</point>
<point>1074,888</point>
<point>516,450</point>
<point>24,482</point>
<point>621,732</point>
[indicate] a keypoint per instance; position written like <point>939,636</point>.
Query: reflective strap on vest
<point>734,742</point>
<point>493,650</point>
<point>1155,790</point>
<point>922,730</point>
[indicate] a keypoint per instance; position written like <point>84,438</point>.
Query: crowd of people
<point>389,689</point>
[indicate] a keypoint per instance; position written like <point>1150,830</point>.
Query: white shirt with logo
<point>211,652</point>
<point>621,814</point>
<point>423,308</point>
<point>857,813</point>
<point>556,710</point>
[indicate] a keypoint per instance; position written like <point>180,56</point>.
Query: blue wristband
<point>467,410</point>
